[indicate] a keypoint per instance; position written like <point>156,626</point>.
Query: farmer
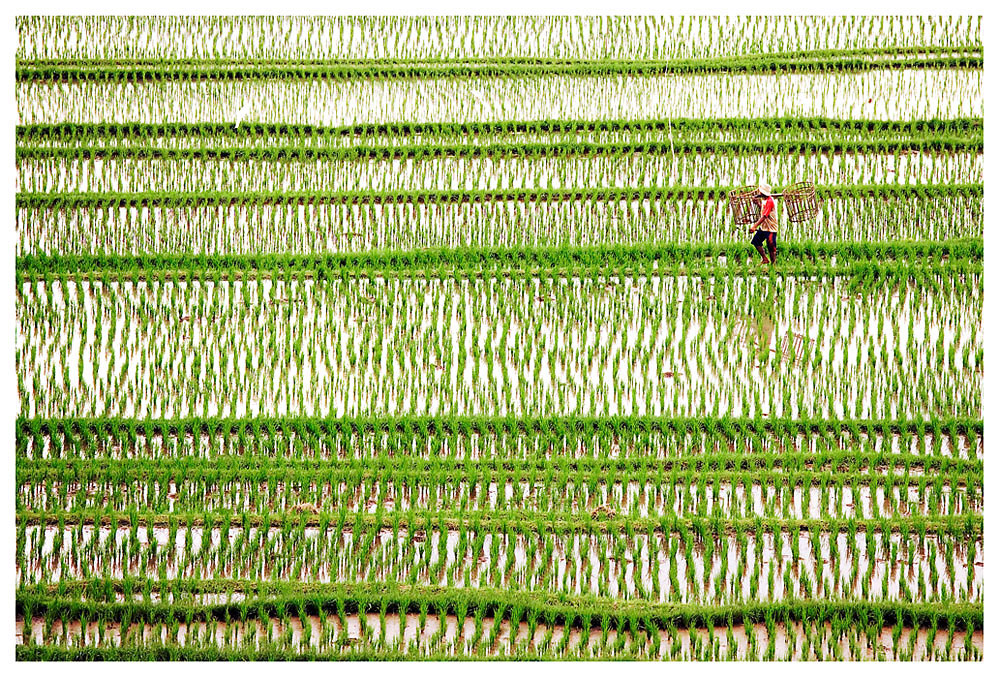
<point>766,227</point>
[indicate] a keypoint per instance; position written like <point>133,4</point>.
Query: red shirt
<point>770,219</point>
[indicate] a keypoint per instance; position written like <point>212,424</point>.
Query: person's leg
<point>759,238</point>
<point>772,245</point>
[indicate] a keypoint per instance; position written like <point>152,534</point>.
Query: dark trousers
<point>769,237</point>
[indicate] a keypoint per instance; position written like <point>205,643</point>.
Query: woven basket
<point>743,205</point>
<point>800,201</point>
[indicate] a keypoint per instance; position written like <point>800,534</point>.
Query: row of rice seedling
<point>63,201</point>
<point>503,147</point>
<point>701,443</point>
<point>617,167</point>
<point>679,130</point>
<point>213,224</point>
<point>837,61</point>
<point>865,263</point>
<point>470,38</point>
<point>641,491</point>
<point>903,94</point>
<point>706,563</point>
<point>448,346</point>
<point>358,623</point>
<point>375,636</point>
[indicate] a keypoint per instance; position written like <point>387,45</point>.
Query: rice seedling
<point>429,338</point>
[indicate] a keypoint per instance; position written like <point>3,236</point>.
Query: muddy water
<point>435,633</point>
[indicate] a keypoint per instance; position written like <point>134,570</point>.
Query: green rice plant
<point>464,338</point>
